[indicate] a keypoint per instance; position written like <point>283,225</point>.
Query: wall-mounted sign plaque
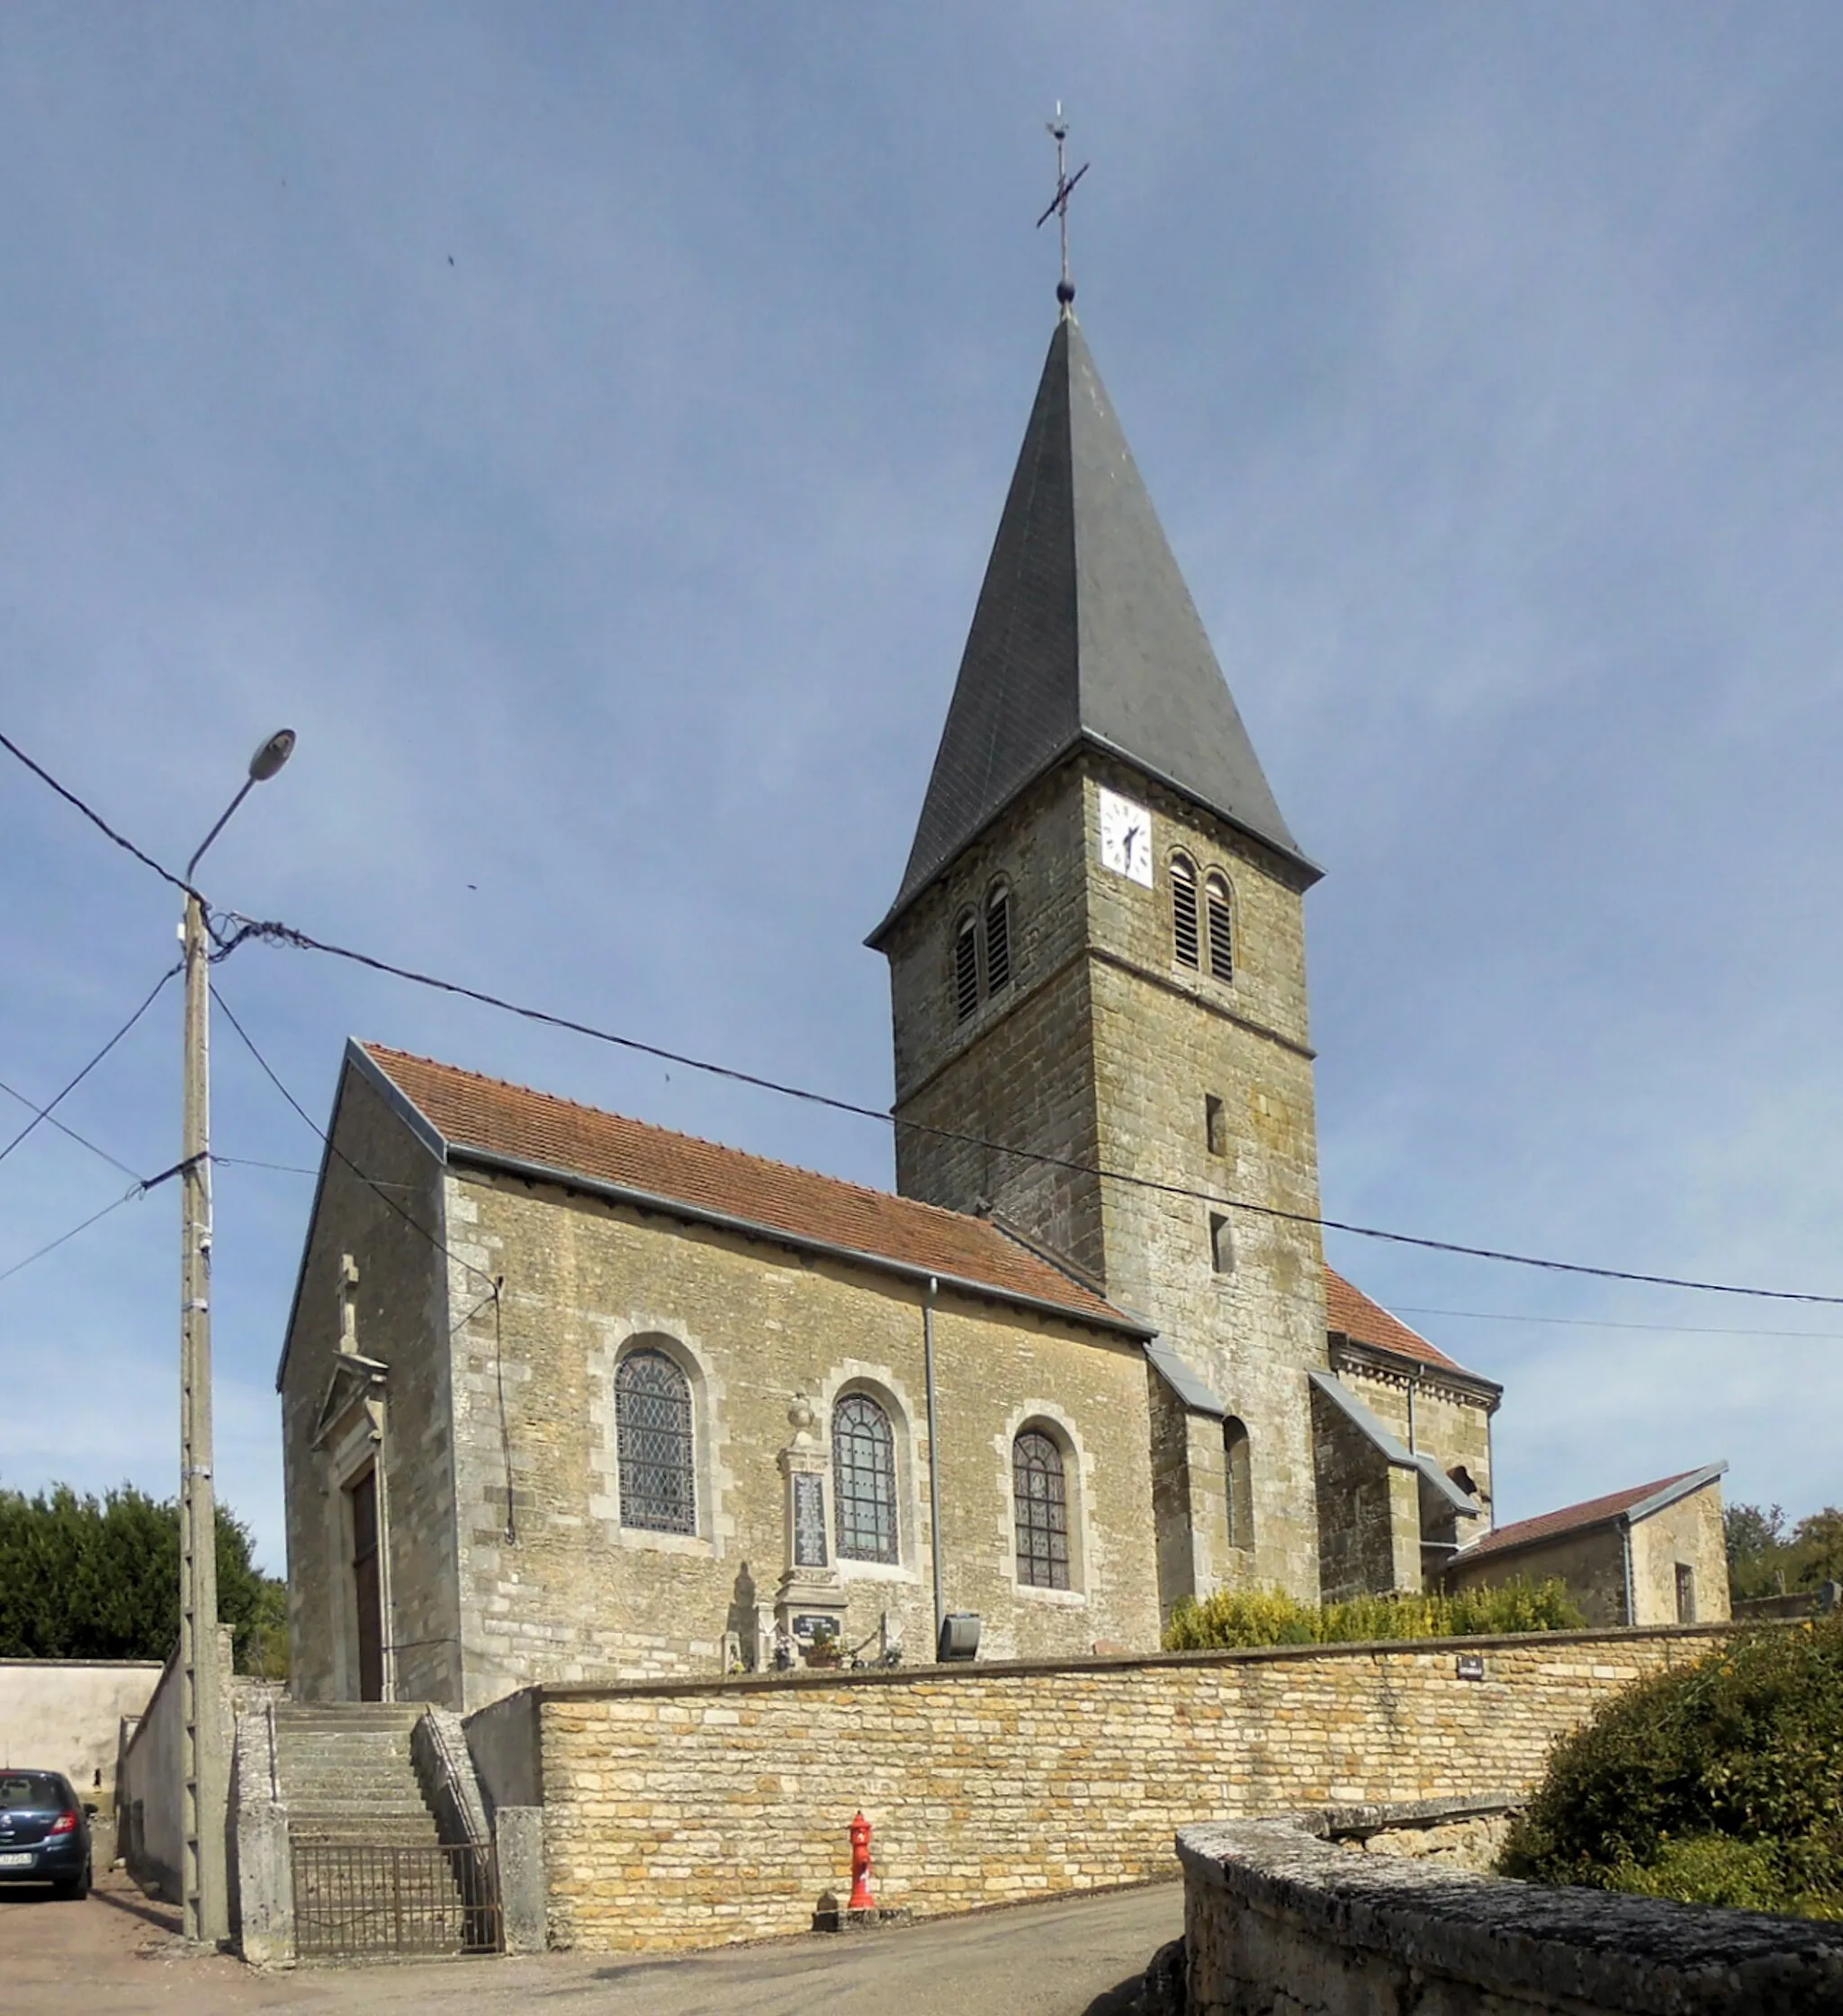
<point>1470,1666</point>
<point>809,1520</point>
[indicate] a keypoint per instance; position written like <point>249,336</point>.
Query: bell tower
<point>1097,964</point>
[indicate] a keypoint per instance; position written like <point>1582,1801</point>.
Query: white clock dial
<point>1126,838</point>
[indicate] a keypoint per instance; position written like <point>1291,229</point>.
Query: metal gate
<point>377,1900</point>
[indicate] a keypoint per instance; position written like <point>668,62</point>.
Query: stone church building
<point>566,1396</point>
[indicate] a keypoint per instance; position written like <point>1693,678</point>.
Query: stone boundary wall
<point>1277,1918</point>
<point>691,1814</point>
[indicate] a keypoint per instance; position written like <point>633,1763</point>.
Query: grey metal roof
<point>1083,631</point>
<point>1369,1424</point>
<point>1197,1396</point>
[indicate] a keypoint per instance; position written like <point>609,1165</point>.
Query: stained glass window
<point>1040,1506</point>
<point>864,1480</point>
<point>652,1429</point>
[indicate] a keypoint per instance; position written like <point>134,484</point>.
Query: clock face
<point>1126,838</point>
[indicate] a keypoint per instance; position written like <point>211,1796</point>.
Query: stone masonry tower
<point>1097,956</point>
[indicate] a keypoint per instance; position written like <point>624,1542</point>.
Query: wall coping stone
<point>1599,1949</point>
<point>1610,1636</point>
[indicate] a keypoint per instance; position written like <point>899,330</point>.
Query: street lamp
<point>203,1757</point>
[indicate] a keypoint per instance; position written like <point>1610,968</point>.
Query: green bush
<point>1242,1617</point>
<point>1719,1782</point>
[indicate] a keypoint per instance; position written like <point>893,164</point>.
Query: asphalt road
<point>120,1953</point>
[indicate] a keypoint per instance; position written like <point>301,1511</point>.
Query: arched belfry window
<point>1219,912</point>
<point>864,1480</point>
<point>1241,1486</point>
<point>1040,1510</point>
<point>998,939</point>
<point>965,969</point>
<point>1185,930</point>
<point>653,1444</point>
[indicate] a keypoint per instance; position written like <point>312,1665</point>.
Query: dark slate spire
<point>1083,632</point>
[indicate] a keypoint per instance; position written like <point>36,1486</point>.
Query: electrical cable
<point>139,1188</point>
<point>285,934</point>
<point>273,932</point>
<point>1596,1323</point>
<point>45,1112</point>
<point>334,1149</point>
<point>495,1283</point>
<point>95,818</point>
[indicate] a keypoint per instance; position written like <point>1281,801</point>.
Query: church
<point>567,1396</point>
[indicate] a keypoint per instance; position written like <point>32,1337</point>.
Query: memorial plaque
<point>1470,1665</point>
<point>809,1521</point>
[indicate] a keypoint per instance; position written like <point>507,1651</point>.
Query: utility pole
<point>204,1745</point>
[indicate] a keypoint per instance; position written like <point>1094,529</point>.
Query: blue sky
<point>586,426</point>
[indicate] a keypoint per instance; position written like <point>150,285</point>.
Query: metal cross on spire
<point>1059,203</point>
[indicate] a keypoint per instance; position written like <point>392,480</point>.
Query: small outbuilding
<point>1651,1555</point>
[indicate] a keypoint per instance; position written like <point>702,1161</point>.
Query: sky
<point>586,426</point>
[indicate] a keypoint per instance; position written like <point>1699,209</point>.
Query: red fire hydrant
<point>862,1899</point>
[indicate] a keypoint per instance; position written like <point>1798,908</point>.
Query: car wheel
<point>73,1889</point>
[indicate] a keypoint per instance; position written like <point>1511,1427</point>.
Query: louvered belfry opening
<point>998,941</point>
<point>653,1425</point>
<point>1185,931</point>
<point>966,969</point>
<point>1221,929</point>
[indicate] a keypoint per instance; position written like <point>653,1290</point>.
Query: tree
<point>88,1577</point>
<point>1763,1558</point>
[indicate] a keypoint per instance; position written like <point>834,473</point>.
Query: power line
<point>286,934</point>
<point>495,1283</point>
<point>45,1112</point>
<point>334,1149</point>
<point>280,934</point>
<point>1595,1323</point>
<point>139,1188</point>
<point>279,1168</point>
<point>95,818</point>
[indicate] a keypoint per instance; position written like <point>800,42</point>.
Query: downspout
<point>933,1461</point>
<point>1414,1387</point>
<point>1625,1544</point>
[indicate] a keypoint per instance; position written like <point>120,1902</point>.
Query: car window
<point>31,1791</point>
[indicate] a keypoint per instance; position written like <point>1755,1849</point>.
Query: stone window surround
<point>856,1375</point>
<point>1048,1418</point>
<point>709,1440</point>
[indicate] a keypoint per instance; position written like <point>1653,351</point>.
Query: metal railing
<point>359,1900</point>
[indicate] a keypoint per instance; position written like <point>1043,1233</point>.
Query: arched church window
<point>1185,935</point>
<point>864,1480</point>
<point>1039,1498</point>
<point>998,939</point>
<point>1240,1481</point>
<point>653,1439</point>
<point>965,969</point>
<point>1216,905</point>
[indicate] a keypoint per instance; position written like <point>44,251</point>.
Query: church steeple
<point>1085,632</point>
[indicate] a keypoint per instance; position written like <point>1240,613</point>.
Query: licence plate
<point>17,1861</point>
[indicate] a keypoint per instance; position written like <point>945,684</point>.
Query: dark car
<point>44,1832</point>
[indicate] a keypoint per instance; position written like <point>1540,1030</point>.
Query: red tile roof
<point>1570,1518</point>
<point>493,1118</point>
<point>1350,1311</point>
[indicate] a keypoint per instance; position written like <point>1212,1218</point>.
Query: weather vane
<point>1059,203</point>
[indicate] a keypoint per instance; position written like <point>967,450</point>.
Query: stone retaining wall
<point>1277,1919</point>
<point>689,1815</point>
